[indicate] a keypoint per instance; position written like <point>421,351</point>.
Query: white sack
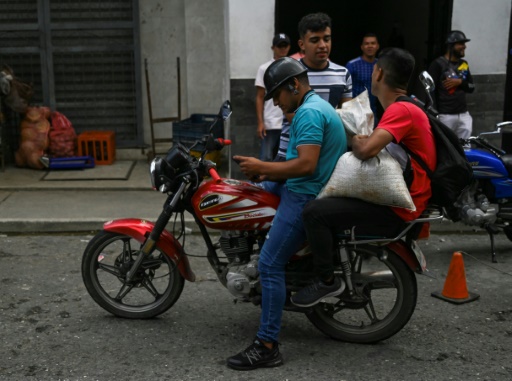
<point>378,180</point>
<point>357,116</point>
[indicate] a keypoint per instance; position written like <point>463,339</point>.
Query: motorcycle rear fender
<point>413,257</point>
<point>139,229</point>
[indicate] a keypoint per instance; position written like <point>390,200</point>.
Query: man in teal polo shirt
<point>317,140</point>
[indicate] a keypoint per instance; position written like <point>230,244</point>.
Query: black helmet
<point>456,36</point>
<point>279,72</point>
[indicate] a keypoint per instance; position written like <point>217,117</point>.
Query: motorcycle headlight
<point>163,172</point>
<point>157,174</point>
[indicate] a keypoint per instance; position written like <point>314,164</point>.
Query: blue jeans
<point>269,145</point>
<point>284,239</point>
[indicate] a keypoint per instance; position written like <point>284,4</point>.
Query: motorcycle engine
<point>242,276</point>
<point>475,209</point>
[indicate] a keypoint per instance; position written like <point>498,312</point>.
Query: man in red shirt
<point>402,122</point>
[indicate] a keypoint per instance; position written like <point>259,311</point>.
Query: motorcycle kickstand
<point>492,230</point>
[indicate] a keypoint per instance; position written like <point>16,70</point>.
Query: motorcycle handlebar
<point>219,142</point>
<point>213,174</point>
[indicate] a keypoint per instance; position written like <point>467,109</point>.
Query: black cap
<point>456,36</point>
<point>280,39</point>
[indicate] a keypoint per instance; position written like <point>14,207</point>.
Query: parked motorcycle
<point>135,268</point>
<point>488,202</point>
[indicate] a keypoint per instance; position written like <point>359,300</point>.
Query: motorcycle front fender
<point>139,229</point>
<point>412,256</point>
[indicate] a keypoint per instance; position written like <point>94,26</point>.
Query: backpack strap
<point>418,159</point>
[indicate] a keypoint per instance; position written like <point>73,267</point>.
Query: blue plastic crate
<point>190,130</point>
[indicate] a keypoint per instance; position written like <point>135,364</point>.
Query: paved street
<point>51,329</point>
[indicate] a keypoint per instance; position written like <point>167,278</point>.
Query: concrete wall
<point>207,42</point>
<point>198,33</point>
<point>251,32</point>
<point>162,41</point>
<point>251,25</point>
<point>487,24</point>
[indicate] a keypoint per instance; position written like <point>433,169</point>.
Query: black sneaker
<point>256,355</point>
<point>314,293</point>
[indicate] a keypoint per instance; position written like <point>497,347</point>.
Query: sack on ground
<point>357,116</point>
<point>62,136</point>
<point>34,138</point>
<point>378,180</point>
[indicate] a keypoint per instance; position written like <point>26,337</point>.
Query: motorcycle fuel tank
<point>234,205</point>
<point>485,165</point>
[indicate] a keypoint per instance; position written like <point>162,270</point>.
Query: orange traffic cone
<point>455,289</point>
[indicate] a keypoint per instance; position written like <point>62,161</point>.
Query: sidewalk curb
<point>62,225</point>
<point>94,224</point>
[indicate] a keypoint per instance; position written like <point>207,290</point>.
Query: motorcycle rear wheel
<point>154,289</point>
<point>388,292</point>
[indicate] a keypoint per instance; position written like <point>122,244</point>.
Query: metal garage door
<point>82,57</point>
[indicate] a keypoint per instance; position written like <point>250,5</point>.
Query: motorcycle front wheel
<point>153,290</point>
<point>385,299</point>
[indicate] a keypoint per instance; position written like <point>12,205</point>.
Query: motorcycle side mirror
<point>427,81</point>
<point>224,114</point>
<point>225,110</point>
<point>429,86</point>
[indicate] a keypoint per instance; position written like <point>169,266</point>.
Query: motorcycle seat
<point>507,160</point>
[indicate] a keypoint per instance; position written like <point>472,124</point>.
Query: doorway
<point>419,27</point>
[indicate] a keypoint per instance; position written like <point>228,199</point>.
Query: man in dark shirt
<point>453,80</point>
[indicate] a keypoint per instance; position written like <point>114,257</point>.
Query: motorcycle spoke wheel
<point>155,287</point>
<point>386,293</point>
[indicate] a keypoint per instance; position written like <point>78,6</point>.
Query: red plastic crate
<point>101,145</point>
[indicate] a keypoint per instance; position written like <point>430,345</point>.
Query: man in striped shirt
<point>330,81</point>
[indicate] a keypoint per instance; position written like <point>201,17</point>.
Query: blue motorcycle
<point>487,203</point>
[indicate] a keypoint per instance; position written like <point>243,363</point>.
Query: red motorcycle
<point>136,269</point>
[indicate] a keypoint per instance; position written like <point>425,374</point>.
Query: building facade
<point>219,45</point>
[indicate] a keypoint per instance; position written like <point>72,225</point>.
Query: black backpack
<point>453,173</point>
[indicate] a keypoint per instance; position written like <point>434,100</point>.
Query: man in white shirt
<point>270,117</point>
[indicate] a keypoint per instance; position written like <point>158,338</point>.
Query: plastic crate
<point>75,162</point>
<point>101,145</point>
<point>188,131</point>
